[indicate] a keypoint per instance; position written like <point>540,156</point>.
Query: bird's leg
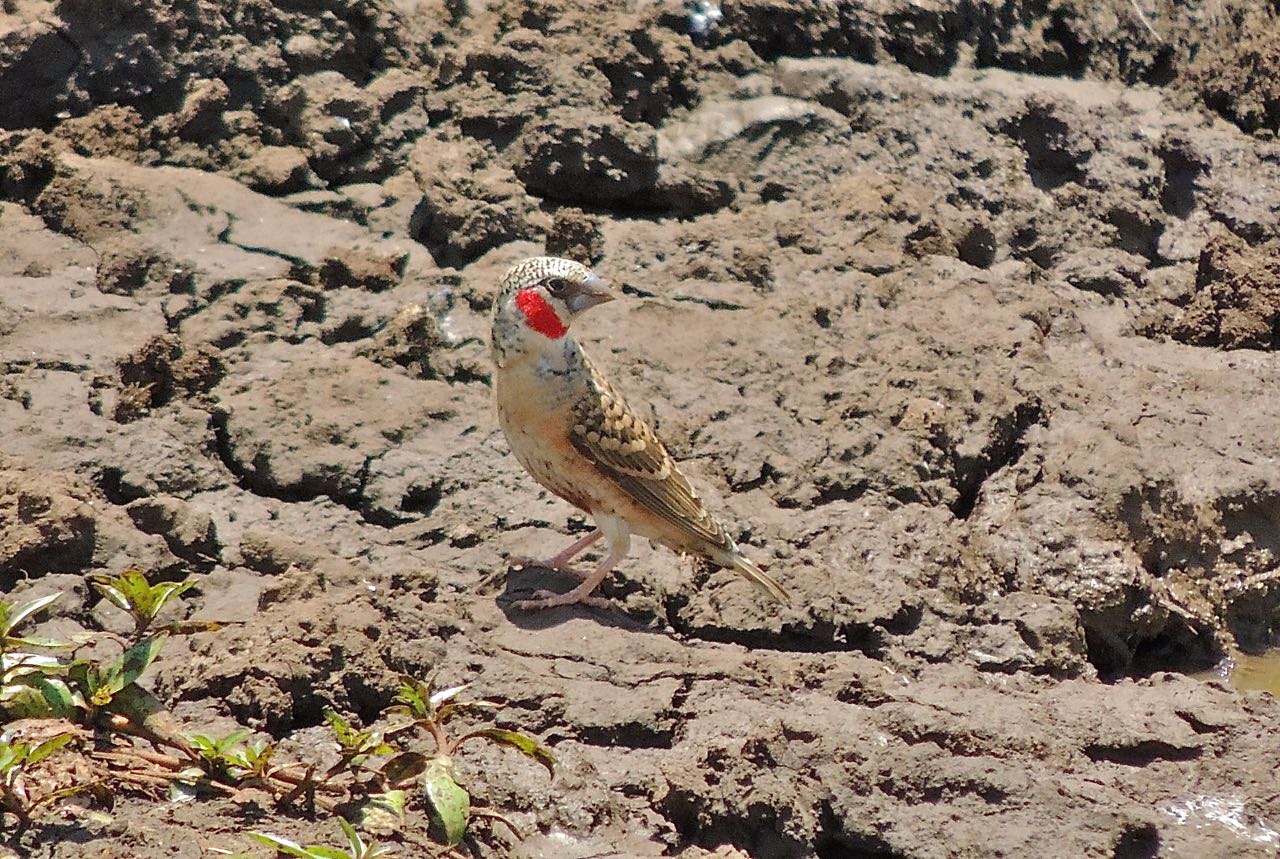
<point>560,562</point>
<point>582,593</point>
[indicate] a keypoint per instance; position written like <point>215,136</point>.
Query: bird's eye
<point>556,285</point>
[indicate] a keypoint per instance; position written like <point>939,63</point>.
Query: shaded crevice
<point>422,500</point>
<point>713,303</point>
<point>836,491</point>
<point>1116,647</point>
<point>1005,447</point>
<point>1138,841</point>
<point>818,636</point>
<point>1054,155</point>
<point>632,735</point>
<point>110,481</point>
<point>224,237</point>
<point>248,478</point>
<point>1140,754</point>
<point>1183,168</point>
<point>758,828</point>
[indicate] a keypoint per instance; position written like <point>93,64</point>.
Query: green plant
<point>355,747</point>
<point>18,758</point>
<point>143,601</point>
<point>44,683</point>
<point>428,710</point>
<point>231,760</point>
<point>30,682</point>
<point>356,848</point>
<point>39,682</point>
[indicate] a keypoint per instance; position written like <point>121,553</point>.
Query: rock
<point>188,531</point>
<point>47,522</point>
<point>1236,303</point>
<point>577,158</point>
<point>1104,271</point>
<point>575,235</point>
<point>276,170</point>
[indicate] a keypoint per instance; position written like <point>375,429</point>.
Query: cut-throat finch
<point>576,435</point>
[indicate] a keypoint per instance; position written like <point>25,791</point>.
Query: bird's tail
<point>758,577</point>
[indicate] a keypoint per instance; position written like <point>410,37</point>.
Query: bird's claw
<point>551,599</point>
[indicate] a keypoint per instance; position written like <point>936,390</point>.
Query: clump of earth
<point>964,317</point>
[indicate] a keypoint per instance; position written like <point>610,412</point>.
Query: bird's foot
<point>551,599</point>
<point>552,564</point>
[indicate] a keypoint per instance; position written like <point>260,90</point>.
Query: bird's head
<point>540,297</point>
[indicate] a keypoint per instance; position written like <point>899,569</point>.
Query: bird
<point>575,434</point>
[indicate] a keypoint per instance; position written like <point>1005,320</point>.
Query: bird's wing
<point>627,451</point>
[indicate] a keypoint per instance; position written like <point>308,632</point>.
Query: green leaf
<point>448,805</point>
<point>204,745</point>
<point>122,590</point>
<point>320,851</point>
<point>255,758</point>
<point>342,729</point>
<point>128,668</point>
<point>164,591</point>
<point>17,664</point>
<point>230,741</point>
<point>379,813</point>
<point>282,845</point>
<point>48,747</point>
<point>132,592</point>
<point>412,698</point>
<point>353,837</point>
<point>11,754</point>
<point>62,702</point>
<point>35,696</point>
<point>526,745</point>
<point>26,611</point>
<point>46,643</point>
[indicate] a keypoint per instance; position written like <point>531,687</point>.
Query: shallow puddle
<point>1246,671</point>
<point>1260,672</point>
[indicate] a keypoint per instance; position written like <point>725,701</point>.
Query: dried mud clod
<point>1236,299</point>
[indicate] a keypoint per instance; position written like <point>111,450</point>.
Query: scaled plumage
<point>576,435</point>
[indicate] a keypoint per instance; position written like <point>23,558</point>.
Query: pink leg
<point>582,593</point>
<point>560,562</point>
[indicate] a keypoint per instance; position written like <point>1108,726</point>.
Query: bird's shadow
<point>523,580</point>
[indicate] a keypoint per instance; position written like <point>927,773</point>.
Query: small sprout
<point>255,761</point>
<point>217,757</point>
<point>448,803</point>
<point>355,747</point>
<point>143,601</point>
<point>356,848</point>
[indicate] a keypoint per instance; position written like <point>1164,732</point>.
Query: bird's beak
<point>588,294</point>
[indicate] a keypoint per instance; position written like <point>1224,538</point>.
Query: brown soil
<point>965,316</point>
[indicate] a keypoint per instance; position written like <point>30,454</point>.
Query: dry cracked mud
<point>965,315</point>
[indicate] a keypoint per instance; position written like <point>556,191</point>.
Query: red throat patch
<point>539,315</point>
